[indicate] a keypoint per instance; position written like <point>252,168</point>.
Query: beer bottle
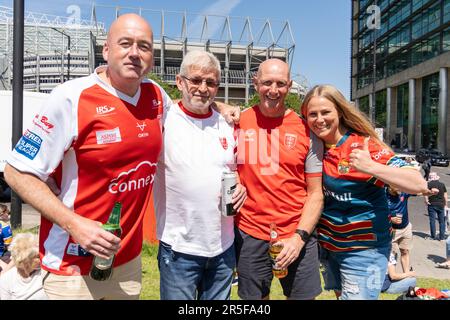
<point>274,250</point>
<point>101,269</point>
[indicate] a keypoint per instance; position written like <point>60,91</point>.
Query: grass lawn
<point>150,281</point>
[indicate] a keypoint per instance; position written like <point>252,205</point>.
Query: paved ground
<point>424,255</point>
<point>426,252</point>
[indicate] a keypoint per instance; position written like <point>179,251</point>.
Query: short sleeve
<point>48,136</point>
<point>314,158</point>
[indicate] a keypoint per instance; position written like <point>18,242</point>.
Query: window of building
<point>382,49</point>
<point>364,104</point>
<point>399,39</point>
<point>383,4</point>
<point>365,60</point>
<point>362,18</point>
<point>402,107</point>
<point>383,26</point>
<point>425,50</point>
<point>399,13</point>
<point>397,63</point>
<point>364,80</point>
<point>446,11</point>
<point>365,39</point>
<point>446,40</point>
<point>430,104</point>
<point>363,4</point>
<point>380,109</point>
<point>417,4</point>
<point>426,22</point>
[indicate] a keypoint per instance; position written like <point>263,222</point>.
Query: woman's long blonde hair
<point>349,116</point>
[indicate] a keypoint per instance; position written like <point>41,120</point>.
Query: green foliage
<point>292,101</point>
<point>150,272</point>
<point>172,91</point>
<point>34,230</point>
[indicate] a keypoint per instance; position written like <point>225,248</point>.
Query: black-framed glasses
<point>210,83</point>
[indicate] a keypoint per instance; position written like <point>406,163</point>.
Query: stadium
<point>59,48</point>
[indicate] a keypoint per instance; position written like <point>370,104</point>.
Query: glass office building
<point>409,43</point>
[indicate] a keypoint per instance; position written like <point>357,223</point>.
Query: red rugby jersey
<point>102,147</point>
<point>275,155</point>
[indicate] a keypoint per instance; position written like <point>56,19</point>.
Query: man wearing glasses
<point>279,162</point>
<point>196,254</point>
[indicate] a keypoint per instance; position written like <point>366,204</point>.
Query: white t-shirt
<point>197,149</point>
<point>14,287</point>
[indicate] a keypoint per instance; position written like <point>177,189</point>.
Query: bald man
<point>279,162</point>
<point>100,138</point>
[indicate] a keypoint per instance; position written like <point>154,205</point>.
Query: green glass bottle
<point>101,269</point>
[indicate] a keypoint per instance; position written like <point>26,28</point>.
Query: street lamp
<point>68,51</point>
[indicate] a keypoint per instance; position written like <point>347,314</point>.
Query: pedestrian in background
<point>24,280</point>
<point>437,205</point>
<point>403,236</point>
<point>426,167</point>
<point>5,238</point>
<point>397,282</point>
<point>445,264</point>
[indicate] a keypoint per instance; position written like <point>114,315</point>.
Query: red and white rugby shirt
<point>102,147</point>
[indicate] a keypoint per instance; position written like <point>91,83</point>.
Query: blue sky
<point>321,28</point>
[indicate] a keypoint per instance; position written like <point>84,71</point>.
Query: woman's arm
<point>404,179</point>
<point>393,275</point>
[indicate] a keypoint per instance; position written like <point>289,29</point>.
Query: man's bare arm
<point>86,232</point>
<point>310,216</point>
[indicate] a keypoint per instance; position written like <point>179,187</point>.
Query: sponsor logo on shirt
<point>249,136</point>
<point>224,143</point>
<point>343,166</point>
<point>74,249</point>
<point>378,155</point>
<point>29,145</point>
<point>108,136</point>
<point>104,109</point>
<point>347,196</point>
<point>43,123</point>
<point>141,127</point>
<point>156,103</point>
<point>137,178</point>
<point>290,140</point>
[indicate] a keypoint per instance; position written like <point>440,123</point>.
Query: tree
<point>292,101</point>
<point>172,91</point>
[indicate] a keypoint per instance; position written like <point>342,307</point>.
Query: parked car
<point>437,157</point>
